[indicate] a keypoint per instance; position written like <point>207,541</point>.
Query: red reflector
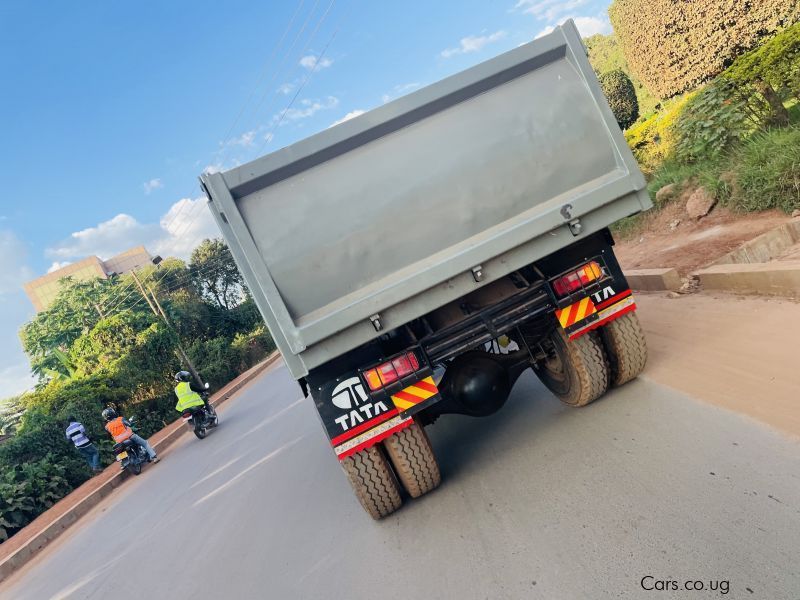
<point>566,284</point>
<point>402,366</point>
<point>391,371</point>
<point>387,373</point>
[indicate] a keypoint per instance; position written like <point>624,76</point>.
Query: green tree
<point>773,67</point>
<point>77,308</point>
<point>621,96</point>
<point>215,274</point>
<point>606,55</point>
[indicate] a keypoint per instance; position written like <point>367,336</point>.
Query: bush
<point>769,171</point>
<point>606,55</point>
<point>653,140</point>
<point>153,415</point>
<point>254,346</point>
<point>712,121</point>
<point>29,489</point>
<point>216,360</point>
<point>675,45</point>
<point>621,97</point>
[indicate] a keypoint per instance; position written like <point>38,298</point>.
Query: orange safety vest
<point>118,430</point>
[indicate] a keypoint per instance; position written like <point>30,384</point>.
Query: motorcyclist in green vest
<point>188,394</point>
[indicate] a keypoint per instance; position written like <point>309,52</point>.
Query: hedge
<point>675,45</point>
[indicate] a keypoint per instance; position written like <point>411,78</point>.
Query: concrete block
<point>765,247</point>
<point>779,279</point>
<point>653,280</point>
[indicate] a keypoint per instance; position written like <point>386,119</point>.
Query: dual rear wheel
<point>580,371</point>
<point>404,459</point>
<point>577,372</point>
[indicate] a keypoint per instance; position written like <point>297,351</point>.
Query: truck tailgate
<point>387,215</point>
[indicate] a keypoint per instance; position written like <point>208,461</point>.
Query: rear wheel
<point>134,467</point>
<point>200,431</point>
<point>625,343</point>
<point>373,481</point>
<point>575,371</point>
<point>413,460</point>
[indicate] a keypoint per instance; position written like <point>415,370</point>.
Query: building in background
<point>43,290</point>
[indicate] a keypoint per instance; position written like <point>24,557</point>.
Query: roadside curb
<point>653,280</point>
<point>93,494</point>
<point>775,279</point>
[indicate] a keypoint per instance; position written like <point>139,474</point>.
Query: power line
<point>222,150</point>
<point>270,134</point>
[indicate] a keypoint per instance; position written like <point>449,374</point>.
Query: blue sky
<point>111,110</point>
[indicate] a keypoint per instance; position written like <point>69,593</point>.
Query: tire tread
<point>413,459</point>
<point>373,482</point>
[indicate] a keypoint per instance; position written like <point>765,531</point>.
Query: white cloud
<point>245,140</point>
<point>58,265</point>
<point>587,26</point>
<point>545,31</point>
<point>351,115</point>
<point>286,88</point>
<point>153,184</point>
<point>308,108</point>
<point>13,263</point>
<point>186,224</point>
<point>15,309</point>
<point>473,43</point>
<point>16,378</point>
<point>312,62</point>
<point>549,10</point>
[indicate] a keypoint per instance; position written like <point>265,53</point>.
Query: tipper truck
<point>415,260</point>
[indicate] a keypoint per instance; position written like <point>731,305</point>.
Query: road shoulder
<point>737,352</point>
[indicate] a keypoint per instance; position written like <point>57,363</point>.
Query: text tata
<point>360,414</point>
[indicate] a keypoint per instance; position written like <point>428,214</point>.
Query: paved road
<point>539,501</point>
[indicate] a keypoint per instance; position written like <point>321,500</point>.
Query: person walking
<point>76,433</point>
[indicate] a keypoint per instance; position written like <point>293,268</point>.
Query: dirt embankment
<point>670,238</point>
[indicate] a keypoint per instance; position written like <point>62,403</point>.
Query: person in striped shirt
<point>76,433</point>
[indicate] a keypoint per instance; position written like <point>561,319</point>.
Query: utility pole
<point>141,289</point>
<point>179,351</point>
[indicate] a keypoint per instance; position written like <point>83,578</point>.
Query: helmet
<point>109,413</point>
<point>183,376</point>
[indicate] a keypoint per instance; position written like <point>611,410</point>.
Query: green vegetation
<point>606,55</point>
<point>100,344</point>
<point>738,137</point>
<point>621,97</point>
<point>769,171</point>
<point>674,46</point>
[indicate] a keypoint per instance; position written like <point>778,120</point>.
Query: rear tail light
<point>575,280</point>
<point>391,371</point>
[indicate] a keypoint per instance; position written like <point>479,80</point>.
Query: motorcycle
<point>131,456</point>
<point>200,419</point>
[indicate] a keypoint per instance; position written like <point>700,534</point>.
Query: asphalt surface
<point>538,501</point>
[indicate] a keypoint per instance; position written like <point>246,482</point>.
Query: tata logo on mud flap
<point>604,294</point>
<point>349,395</point>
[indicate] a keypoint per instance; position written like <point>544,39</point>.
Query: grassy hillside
<point>606,55</point>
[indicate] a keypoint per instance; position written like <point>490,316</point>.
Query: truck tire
<point>373,481</point>
<point>577,373</point>
<point>413,460</point>
<point>626,346</point>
